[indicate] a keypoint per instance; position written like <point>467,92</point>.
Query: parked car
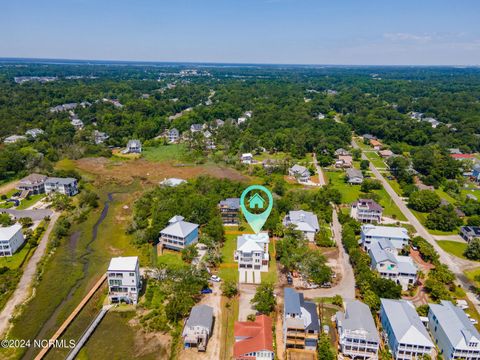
<point>207,291</point>
<point>327,284</point>
<point>215,278</point>
<point>289,280</point>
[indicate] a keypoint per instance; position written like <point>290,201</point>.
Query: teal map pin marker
<point>257,200</point>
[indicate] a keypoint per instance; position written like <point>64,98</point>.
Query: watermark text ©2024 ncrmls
<point>37,343</point>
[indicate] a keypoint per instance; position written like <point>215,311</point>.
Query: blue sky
<point>423,32</point>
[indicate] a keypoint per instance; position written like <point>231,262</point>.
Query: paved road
<point>455,264</point>
<point>36,215</point>
<point>346,286</point>
<point>321,177</point>
<point>22,292</point>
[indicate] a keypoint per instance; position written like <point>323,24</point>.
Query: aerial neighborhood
<point>132,218</point>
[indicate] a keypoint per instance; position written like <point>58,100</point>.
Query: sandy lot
<point>125,171</point>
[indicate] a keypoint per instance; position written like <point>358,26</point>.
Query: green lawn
<point>445,196</point>
<point>14,261</point>
<point>31,200</point>
<point>173,152</point>
<point>271,275</point>
<point>390,209</point>
<point>375,159</point>
<point>453,247</point>
<point>171,259</point>
<point>229,268</point>
<point>395,185</point>
<point>350,193</point>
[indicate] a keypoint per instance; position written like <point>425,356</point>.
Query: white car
<point>215,278</point>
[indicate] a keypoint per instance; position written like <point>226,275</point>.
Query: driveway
<point>23,290</point>
<point>36,215</point>
<point>346,286</point>
<point>246,294</point>
<point>457,265</point>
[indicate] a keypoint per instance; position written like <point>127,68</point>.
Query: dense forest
<point>294,109</point>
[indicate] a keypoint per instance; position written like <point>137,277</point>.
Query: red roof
<point>257,336</point>
<point>462,156</point>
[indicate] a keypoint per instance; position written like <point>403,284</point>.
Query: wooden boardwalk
<point>71,317</point>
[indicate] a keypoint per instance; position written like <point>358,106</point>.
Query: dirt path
<point>23,290</point>
<point>321,177</point>
<point>213,346</point>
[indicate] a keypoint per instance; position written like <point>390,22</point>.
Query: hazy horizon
<point>284,32</point>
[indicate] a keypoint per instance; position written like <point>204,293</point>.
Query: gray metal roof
<point>358,318</point>
<point>201,315</point>
<point>292,301</point>
<point>405,322</point>
<point>295,303</point>
<point>62,181</point>
<point>304,220</point>
<point>351,173</point>
<point>455,323</point>
<point>179,229</point>
<point>231,203</point>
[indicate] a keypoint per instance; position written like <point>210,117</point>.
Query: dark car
<point>207,291</point>
<point>289,280</point>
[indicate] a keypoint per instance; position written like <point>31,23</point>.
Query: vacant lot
<point>455,248</point>
<point>173,152</point>
<point>103,170</point>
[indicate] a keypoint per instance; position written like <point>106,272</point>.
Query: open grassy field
<point>390,209</point>
<point>350,193</point>
<point>455,248</point>
<point>375,159</point>
<point>172,152</point>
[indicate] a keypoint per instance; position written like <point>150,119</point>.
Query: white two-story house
<point>65,186</point>
<point>252,256</point>
<point>124,281</point>
<point>372,234</point>
<point>11,238</point>
<point>390,265</point>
